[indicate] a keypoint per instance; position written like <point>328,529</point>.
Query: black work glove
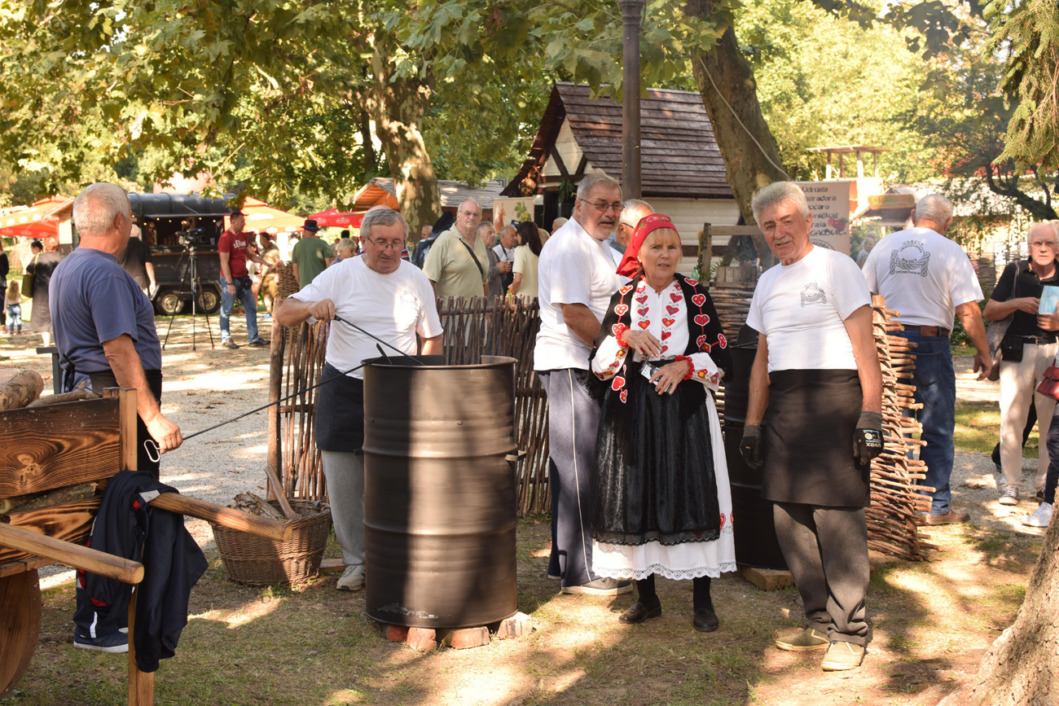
<point>750,447</point>
<point>867,439</point>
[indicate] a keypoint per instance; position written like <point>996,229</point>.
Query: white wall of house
<point>567,147</point>
<point>688,215</point>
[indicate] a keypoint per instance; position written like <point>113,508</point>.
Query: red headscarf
<point>630,263</point>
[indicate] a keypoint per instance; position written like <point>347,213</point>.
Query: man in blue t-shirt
<point>104,329</point>
<point>104,325</point>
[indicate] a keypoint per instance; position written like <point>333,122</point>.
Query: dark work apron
<point>809,426</point>
<point>339,412</point>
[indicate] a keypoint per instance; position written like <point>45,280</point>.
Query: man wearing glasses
<point>1028,348</point>
<point>929,279</point>
<point>576,279</point>
<point>391,299</point>
<point>458,264</point>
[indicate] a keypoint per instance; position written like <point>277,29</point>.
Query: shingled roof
<point>679,155</point>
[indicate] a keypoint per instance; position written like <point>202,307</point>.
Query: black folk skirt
<point>654,479</point>
<point>808,429</point>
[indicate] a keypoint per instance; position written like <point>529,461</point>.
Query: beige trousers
<point>1018,388</point>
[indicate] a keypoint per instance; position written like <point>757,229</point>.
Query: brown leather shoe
<point>949,518</point>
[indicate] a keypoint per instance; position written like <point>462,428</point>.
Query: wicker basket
<point>257,561</point>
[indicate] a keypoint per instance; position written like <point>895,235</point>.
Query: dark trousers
<point>826,549</point>
<point>144,462</point>
<point>573,423</point>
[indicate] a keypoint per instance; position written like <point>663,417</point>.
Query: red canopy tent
<point>38,221</point>
<point>333,218</point>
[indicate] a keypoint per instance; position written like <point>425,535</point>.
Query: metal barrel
<point>756,544</point>
<point>440,491</point>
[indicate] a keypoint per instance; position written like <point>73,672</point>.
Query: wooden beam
<point>224,516</point>
<point>71,554</point>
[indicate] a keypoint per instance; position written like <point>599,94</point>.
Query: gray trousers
<point>826,549</point>
<point>344,474</point>
<point>573,424</point>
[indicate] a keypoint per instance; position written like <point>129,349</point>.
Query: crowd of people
<point>630,353</point>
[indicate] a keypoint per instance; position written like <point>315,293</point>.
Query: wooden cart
<point>65,446</point>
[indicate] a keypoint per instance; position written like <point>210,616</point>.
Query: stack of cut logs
<point>895,500</point>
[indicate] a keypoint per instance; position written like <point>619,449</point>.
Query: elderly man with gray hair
<point>104,330</point>
<point>390,299</point>
<point>814,422</point>
<point>576,279</point>
<point>929,279</point>
<point>1028,348</point>
<point>632,211</point>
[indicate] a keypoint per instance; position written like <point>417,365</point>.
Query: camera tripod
<point>193,283</point>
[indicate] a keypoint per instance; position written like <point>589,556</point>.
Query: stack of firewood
<point>895,498</point>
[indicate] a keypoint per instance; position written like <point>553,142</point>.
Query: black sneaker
<point>258,343</point>
<point>229,343</point>
<point>114,642</point>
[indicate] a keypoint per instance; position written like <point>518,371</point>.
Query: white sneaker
<point>1009,495</point>
<point>352,578</point>
<point>1041,517</point>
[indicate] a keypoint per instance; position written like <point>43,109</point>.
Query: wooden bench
<point>56,450</point>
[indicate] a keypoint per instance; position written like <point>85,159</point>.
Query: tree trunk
<point>398,105</point>
<point>729,94</point>
<point>1022,666</point>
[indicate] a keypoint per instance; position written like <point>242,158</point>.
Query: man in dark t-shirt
<point>136,260</point>
<point>104,330</point>
<point>1028,348</point>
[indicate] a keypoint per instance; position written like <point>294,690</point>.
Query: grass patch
<point>978,428</point>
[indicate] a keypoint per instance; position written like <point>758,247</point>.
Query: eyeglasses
<point>387,244</point>
<point>1050,244</point>
<point>603,206</point>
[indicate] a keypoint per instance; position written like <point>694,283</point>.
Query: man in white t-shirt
<point>928,279</point>
<point>576,279</point>
<point>505,254</point>
<point>390,299</point>
<point>817,374</point>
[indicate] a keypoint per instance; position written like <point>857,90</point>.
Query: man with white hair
<point>928,279</point>
<point>1028,348</point>
<point>388,298</point>
<point>631,213</point>
<point>576,279</point>
<point>458,264</point>
<point>105,333</point>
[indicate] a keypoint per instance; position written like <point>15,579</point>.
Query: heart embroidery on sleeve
<point>672,309</point>
<point>702,319</point>
<point>722,340</point>
<point>644,323</point>
<point>644,311</point>
<point>692,282</point>
<point>624,395</point>
<point>699,299</point>
<point>617,383</point>
<point>722,520</point>
<point>664,348</point>
<point>621,309</point>
<point>668,322</point>
<point>642,298</point>
<point>666,334</point>
<point>675,296</point>
<point>626,289</point>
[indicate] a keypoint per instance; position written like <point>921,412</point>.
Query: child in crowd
<point>14,307</point>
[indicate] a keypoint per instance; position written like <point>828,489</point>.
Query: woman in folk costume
<point>662,502</point>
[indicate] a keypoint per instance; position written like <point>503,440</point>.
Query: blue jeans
<point>246,296</point>
<point>935,382</point>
